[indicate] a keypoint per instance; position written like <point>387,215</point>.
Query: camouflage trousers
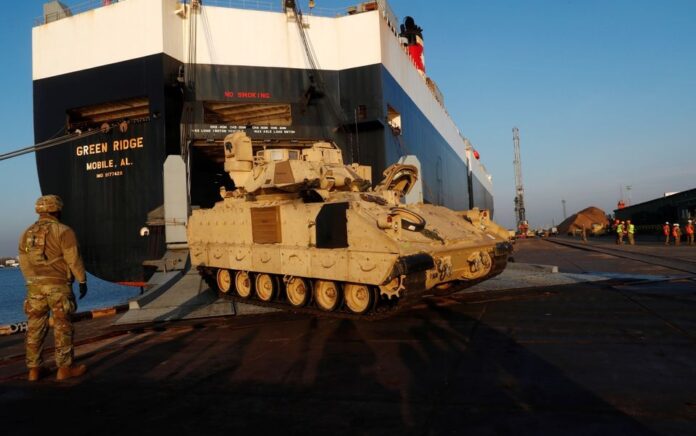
<point>60,300</point>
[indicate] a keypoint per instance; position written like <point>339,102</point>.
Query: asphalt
<point>615,356</point>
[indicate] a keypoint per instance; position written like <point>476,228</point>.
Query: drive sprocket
<point>393,288</point>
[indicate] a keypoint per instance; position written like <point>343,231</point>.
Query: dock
<point>605,343</point>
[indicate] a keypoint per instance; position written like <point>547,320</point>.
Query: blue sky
<point>603,92</point>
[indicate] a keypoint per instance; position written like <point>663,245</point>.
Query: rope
<point>335,108</point>
<point>22,326</point>
<point>50,143</point>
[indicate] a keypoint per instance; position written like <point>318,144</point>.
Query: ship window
<point>254,114</point>
<point>394,120</point>
<point>132,110</point>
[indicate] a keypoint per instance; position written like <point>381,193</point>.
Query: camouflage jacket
<point>60,243</point>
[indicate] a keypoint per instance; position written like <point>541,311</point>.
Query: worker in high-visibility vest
<point>690,232</point>
<point>665,231</point>
<point>631,230</point>
<point>620,232</point>
<point>676,234</point>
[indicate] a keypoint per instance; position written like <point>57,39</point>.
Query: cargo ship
<point>134,82</point>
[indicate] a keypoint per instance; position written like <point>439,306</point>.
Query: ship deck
<point>610,356</point>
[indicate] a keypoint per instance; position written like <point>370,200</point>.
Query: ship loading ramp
<point>176,291</point>
<point>181,295</point>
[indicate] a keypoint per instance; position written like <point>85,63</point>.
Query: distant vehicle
<point>554,231</point>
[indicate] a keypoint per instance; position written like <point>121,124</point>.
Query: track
<point>381,307</point>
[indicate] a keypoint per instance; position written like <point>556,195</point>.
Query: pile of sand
<point>587,218</point>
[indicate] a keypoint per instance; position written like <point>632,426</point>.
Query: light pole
<point>564,210</point>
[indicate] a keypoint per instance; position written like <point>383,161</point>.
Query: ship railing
<point>277,6</point>
<point>60,10</point>
<point>71,9</point>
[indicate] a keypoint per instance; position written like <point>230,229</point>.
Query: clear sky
<point>603,92</point>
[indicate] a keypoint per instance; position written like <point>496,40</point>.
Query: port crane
<point>522,224</point>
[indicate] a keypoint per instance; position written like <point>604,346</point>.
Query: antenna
<point>519,189</point>
<point>628,194</point>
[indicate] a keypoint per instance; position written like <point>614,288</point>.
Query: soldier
<point>690,232</point>
<point>50,260</point>
<point>631,230</point>
<point>665,231</point>
<point>676,234</point>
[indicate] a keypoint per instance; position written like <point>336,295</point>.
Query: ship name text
<point>103,147</point>
<point>104,166</point>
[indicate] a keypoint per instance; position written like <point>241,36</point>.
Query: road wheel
<point>242,283</point>
<point>326,294</point>
<point>358,298</point>
<point>224,280</point>
<point>297,291</point>
<point>266,286</point>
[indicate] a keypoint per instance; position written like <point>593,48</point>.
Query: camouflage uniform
<point>49,284</point>
<point>60,301</point>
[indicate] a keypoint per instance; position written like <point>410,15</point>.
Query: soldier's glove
<point>83,290</point>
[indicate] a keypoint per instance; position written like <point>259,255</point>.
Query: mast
<point>519,188</point>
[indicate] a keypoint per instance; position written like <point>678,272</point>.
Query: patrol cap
<point>48,204</point>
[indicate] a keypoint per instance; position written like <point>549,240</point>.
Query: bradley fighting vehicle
<point>305,232</point>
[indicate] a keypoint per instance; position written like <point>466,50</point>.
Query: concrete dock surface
<point>607,345</point>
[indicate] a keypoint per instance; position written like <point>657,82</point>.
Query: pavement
<point>612,352</point>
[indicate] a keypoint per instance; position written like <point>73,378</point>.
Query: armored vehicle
<point>303,231</point>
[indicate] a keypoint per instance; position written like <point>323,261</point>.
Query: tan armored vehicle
<point>305,232</point>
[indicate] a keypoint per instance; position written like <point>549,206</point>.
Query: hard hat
<point>48,204</point>
<point>676,224</point>
<point>666,222</point>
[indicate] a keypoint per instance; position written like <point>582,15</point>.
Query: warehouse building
<point>678,208</point>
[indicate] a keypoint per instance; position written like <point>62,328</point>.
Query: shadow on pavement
<point>434,371</point>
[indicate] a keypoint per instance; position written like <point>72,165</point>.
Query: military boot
<point>36,373</point>
<point>66,372</point>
